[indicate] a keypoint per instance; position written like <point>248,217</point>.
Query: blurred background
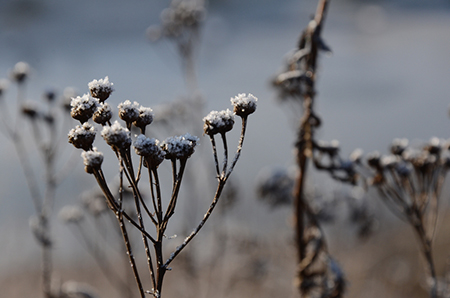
<point>387,77</point>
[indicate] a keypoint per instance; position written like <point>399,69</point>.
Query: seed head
<point>20,72</point>
<point>92,159</point>
<point>101,89</point>
<point>218,122</point>
<point>71,214</point>
<point>244,104</point>
<point>117,135</point>
<point>103,113</point>
<point>150,149</point>
<point>179,147</point>
<point>83,107</point>
<point>128,112</point>
<point>83,136</point>
<point>145,117</point>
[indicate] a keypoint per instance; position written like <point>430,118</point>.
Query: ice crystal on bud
<point>101,89</point>
<point>179,147</point>
<point>218,122</point>
<point>116,135</point>
<point>145,117</point>
<point>71,214</point>
<point>82,136</point>
<point>244,104</point>
<point>103,114</point>
<point>128,111</point>
<point>150,149</point>
<point>83,107</point>
<point>92,159</point>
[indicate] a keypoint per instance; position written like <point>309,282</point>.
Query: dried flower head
<point>103,114</point>
<point>274,187</point>
<point>356,155</point>
<point>128,112</point>
<point>30,109</point>
<point>71,214</point>
<point>20,72</point>
<point>398,146</point>
<point>145,117</point>
<point>116,135</point>
<point>82,136</point>
<point>179,147</point>
<point>150,149</point>
<point>101,89</point>
<point>83,107</point>
<point>218,122</point>
<point>244,104</point>
<point>92,159</point>
<point>94,202</point>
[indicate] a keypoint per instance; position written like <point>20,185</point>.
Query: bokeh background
<point>388,77</point>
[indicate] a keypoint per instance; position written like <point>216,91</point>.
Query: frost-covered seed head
<point>92,160</point>
<point>30,109</point>
<point>179,147</point>
<point>389,161</point>
<point>117,135</point>
<point>218,122</point>
<point>398,146</point>
<point>83,136</point>
<point>145,117</point>
<point>71,214</point>
<point>356,155</point>
<point>83,107</point>
<point>101,89</point>
<point>128,111</point>
<point>150,149</point>
<point>373,159</point>
<point>244,105</point>
<point>103,113</point>
<point>94,202</point>
<point>20,72</point>
<point>435,145</point>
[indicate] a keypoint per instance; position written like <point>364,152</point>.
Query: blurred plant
<point>46,129</point>
<point>318,275</point>
<point>152,153</point>
<point>409,180</point>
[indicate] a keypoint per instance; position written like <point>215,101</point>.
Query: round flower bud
<point>145,117</point>
<point>103,114</point>
<point>83,107</point>
<point>150,149</point>
<point>101,89</point>
<point>20,72</point>
<point>82,137</point>
<point>117,135</point>
<point>244,105</point>
<point>128,112</point>
<point>218,122</point>
<point>179,147</point>
<point>92,159</point>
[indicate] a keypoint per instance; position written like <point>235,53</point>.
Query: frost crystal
<point>218,122</point>
<point>83,107</point>
<point>179,147</point>
<point>145,117</point>
<point>92,159</point>
<point>82,136</point>
<point>244,104</point>
<point>128,111</point>
<point>101,89</point>
<point>103,114</point>
<point>150,149</point>
<point>116,135</point>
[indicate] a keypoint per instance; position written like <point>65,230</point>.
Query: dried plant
<point>317,273</point>
<point>151,154</point>
<point>45,123</point>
